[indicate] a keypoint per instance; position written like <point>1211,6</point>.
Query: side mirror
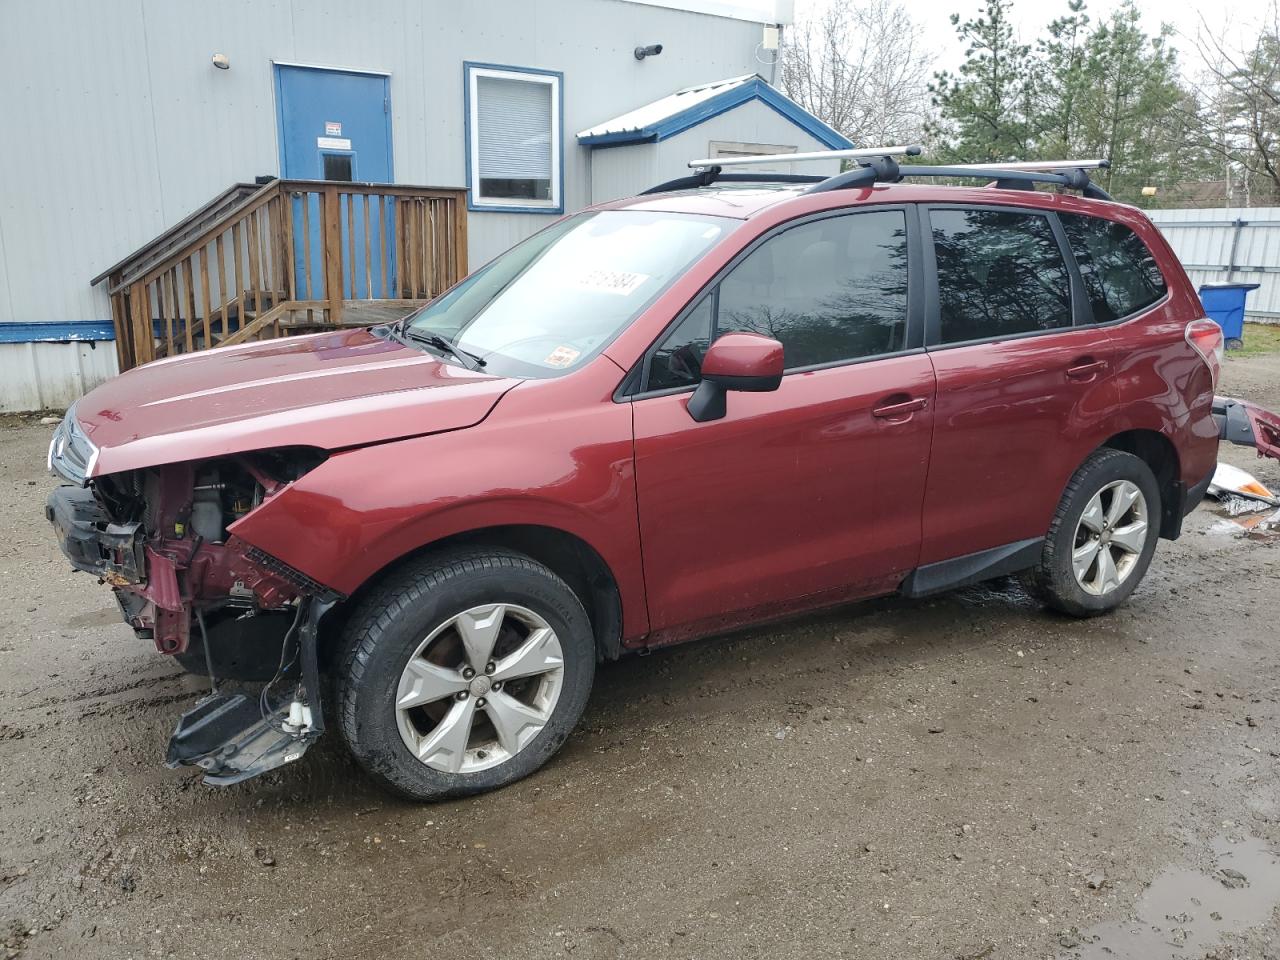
<point>736,361</point>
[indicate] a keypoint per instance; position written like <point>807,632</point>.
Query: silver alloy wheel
<point>1110,537</point>
<point>479,688</point>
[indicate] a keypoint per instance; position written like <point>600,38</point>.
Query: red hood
<point>328,390</point>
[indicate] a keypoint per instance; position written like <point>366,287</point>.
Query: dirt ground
<point>967,777</point>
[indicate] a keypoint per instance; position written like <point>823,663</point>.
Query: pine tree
<point>1060,87</point>
<point>1133,107</point>
<point>982,109</point>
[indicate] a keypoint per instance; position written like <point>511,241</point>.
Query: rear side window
<point>999,273</point>
<point>1120,274</point>
<point>830,290</point>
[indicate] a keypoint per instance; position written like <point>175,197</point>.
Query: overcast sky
<point>1240,18</point>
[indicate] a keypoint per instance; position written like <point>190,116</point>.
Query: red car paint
<point>833,487</point>
<point>327,390</point>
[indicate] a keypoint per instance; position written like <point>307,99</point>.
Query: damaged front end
<point>161,539</point>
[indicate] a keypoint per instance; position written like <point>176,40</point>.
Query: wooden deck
<point>291,255</point>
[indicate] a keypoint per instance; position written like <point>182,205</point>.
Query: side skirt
<point>972,568</point>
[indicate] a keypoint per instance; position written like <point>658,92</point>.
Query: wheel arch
<point>1158,453</point>
<point>566,554</point>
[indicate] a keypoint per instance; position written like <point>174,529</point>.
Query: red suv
<point>661,418</point>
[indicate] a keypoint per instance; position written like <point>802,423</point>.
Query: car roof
<point>742,201</point>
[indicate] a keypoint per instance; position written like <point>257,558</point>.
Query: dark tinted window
<point>830,290</point>
<point>337,166</point>
<point>1120,274</point>
<point>677,362</point>
<point>999,273</point>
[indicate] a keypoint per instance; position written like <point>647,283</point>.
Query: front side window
<point>514,131</point>
<point>548,305</point>
<point>1120,275</point>
<point>831,290</point>
<point>1000,273</point>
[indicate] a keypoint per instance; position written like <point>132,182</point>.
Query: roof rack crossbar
<point>861,153</point>
<point>708,177</point>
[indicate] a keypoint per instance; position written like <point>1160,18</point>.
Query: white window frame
<point>475,201</point>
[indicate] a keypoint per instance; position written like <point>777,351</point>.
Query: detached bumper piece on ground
<point>1247,425</point>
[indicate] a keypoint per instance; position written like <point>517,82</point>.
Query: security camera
<point>652,50</point>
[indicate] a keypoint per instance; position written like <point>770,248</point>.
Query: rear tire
<point>463,672</point>
<point>1102,536</point>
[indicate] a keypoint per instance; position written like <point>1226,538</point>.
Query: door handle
<point>890,410</point>
<point>1085,368</point>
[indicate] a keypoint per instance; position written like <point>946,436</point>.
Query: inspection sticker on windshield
<point>562,356</point>
<point>620,282</point>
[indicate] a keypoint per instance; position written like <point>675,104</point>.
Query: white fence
<point>1241,244</point>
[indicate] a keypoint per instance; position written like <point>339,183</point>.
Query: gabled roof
<point>689,107</point>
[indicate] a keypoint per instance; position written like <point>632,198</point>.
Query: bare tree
<point>1241,115</point>
<point>860,68</point>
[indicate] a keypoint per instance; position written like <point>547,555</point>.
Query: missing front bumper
<point>234,736</point>
<point>88,538</point>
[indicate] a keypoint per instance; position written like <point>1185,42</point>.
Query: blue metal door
<point>336,125</point>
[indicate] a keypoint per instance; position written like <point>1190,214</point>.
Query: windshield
<point>551,303</point>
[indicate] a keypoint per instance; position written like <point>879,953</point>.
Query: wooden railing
<point>257,262</point>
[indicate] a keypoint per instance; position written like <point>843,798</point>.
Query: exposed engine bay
<point>163,539</point>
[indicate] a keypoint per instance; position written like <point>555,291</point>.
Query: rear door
<point>1024,384</point>
<point>810,494</point>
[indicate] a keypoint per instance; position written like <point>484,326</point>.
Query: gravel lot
<point>967,777</point>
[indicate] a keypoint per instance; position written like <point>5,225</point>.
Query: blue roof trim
<point>68,331</point>
<point>755,89</point>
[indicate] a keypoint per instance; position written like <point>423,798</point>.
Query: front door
<point>336,125</point>
<point>808,495</point>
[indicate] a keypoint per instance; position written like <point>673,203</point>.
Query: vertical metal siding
<point>1203,242</point>
<point>39,376</point>
<point>625,171</point>
<point>121,125</point>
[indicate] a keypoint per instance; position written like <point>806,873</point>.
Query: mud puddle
<point>1186,913</point>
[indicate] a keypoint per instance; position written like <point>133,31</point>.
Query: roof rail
<point>707,177</point>
<point>878,165</point>
<point>1071,174</point>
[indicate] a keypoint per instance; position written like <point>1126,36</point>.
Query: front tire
<point>463,672</point>
<point>1102,537</point>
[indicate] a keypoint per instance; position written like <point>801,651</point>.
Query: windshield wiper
<point>444,344</point>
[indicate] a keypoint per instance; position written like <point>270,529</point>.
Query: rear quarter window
<point>1120,275</point>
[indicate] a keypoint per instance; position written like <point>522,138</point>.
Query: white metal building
<point>132,116</point>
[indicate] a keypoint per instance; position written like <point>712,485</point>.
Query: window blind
<point>513,128</point>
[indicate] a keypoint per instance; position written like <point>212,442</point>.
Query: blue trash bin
<point>1224,304</point>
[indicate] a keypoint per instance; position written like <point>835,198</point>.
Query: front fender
<point>363,509</point>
